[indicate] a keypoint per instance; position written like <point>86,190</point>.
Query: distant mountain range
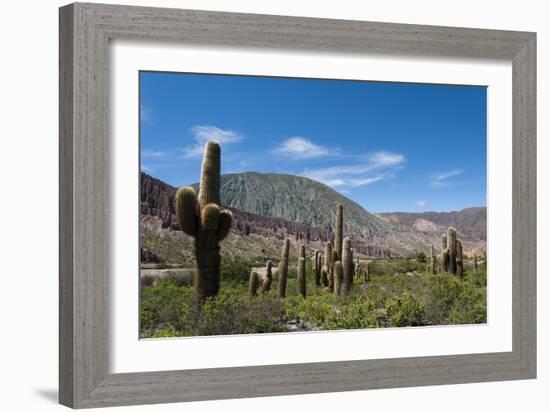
<point>279,205</point>
<point>470,222</point>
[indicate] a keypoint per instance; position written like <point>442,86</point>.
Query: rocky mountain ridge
<point>266,205</point>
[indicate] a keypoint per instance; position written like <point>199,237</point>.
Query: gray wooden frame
<point>85,31</point>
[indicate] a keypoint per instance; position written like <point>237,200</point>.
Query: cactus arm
<point>443,242</point>
<point>266,284</point>
<point>224,224</point>
<point>186,210</point>
<point>210,216</point>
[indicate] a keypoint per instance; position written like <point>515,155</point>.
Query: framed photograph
<point>257,205</point>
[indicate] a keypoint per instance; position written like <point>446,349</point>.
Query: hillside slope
<point>470,222</point>
<point>275,206</point>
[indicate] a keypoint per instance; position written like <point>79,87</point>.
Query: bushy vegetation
<point>399,293</point>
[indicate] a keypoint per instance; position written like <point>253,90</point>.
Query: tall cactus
<point>443,264</point>
<point>451,246</point>
<point>329,265</point>
<point>475,262</point>
<point>206,221</point>
<point>301,277</point>
<point>317,268</point>
<point>459,260</point>
<point>338,277</point>
<point>352,266</point>
<point>347,266</point>
<point>302,251</point>
<point>338,240</point>
<point>266,284</point>
<point>253,283</point>
<point>324,271</point>
<point>283,269</point>
<point>432,261</point>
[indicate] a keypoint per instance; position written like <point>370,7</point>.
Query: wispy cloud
<point>147,169</point>
<point>442,179</point>
<point>421,203</point>
<point>301,148</point>
<point>202,134</point>
<point>146,114</point>
<point>152,154</point>
<point>375,167</point>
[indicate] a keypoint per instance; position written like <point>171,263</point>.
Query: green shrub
<point>236,270</point>
<point>331,312</point>
<point>405,311</point>
<point>440,292</point>
<point>165,304</point>
<point>470,306</point>
<point>477,277</point>
<point>237,314</point>
<point>397,295</point>
<point>394,266</point>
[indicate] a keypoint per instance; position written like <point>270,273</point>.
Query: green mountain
<point>296,198</point>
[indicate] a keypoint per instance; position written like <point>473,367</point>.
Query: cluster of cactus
<point>333,270</point>
<point>451,258</point>
<point>202,218</point>
<point>362,270</point>
<point>340,266</point>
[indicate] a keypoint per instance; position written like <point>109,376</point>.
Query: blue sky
<point>387,146</point>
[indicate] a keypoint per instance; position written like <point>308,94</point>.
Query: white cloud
<point>367,180</point>
<point>202,134</point>
<point>375,167</point>
<point>147,169</point>
<point>440,179</point>
<point>421,203</point>
<point>385,159</point>
<point>301,148</point>
<point>152,154</point>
